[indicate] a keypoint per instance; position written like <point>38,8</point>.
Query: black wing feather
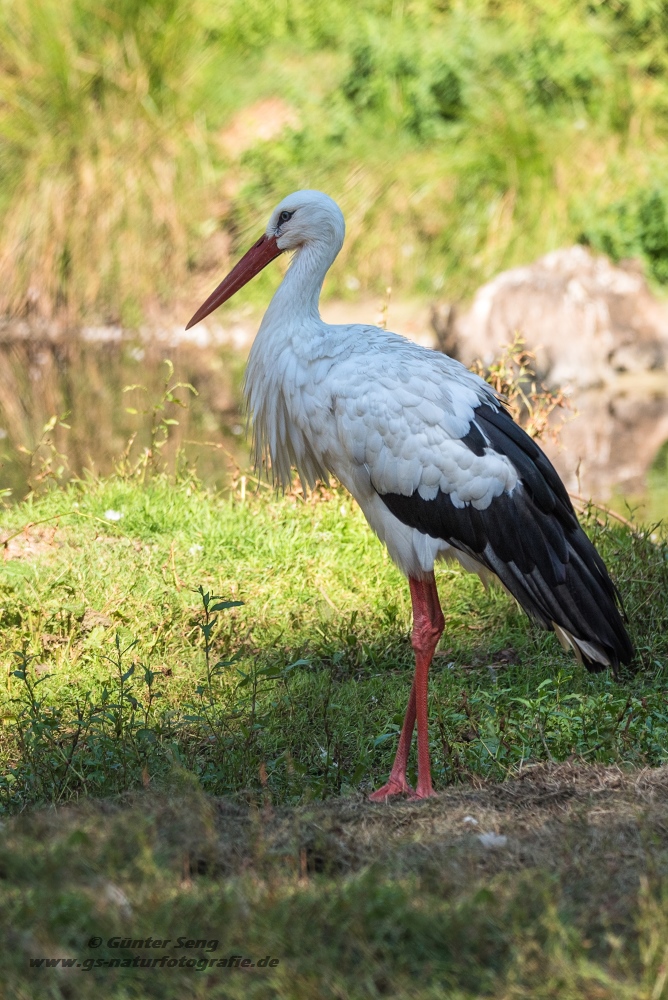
<point>530,538</point>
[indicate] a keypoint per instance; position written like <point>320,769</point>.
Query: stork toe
<point>392,788</point>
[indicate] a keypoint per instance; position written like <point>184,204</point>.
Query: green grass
<point>459,139</point>
<point>202,769</point>
<point>113,673</point>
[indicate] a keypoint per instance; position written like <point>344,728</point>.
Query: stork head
<point>303,219</point>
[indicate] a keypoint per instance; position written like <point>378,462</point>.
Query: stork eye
<point>285,216</point>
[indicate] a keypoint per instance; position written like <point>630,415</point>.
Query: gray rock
<point>586,319</point>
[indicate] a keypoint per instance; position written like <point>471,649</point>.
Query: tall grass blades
<point>99,157</point>
<point>144,141</point>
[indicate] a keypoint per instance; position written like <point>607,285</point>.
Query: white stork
<point>429,452</point>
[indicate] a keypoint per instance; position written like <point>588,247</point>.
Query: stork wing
<point>412,424</point>
<point>447,460</point>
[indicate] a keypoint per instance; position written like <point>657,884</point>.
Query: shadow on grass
<point>550,884</point>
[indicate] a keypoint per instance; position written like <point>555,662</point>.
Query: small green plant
<point>235,716</point>
<point>49,737</point>
<point>84,743</point>
<point>46,463</point>
<point>130,722</point>
<point>151,460</point>
<point>212,606</point>
<point>208,707</point>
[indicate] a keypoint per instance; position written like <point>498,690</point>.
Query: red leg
<point>396,783</point>
<point>428,627</point>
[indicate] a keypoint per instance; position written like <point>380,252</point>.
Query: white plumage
<point>428,451</point>
<point>375,410</point>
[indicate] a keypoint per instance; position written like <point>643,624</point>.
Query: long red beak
<point>260,254</point>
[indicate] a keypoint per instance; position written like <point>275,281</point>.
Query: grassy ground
<point>242,739</point>
<point>548,886</point>
<point>118,672</point>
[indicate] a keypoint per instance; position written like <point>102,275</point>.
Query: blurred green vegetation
<point>460,138</point>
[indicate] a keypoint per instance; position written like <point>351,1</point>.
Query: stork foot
<point>421,793</point>
<point>393,787</point>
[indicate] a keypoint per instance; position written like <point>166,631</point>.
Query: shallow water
<point>612,447</point>
<point>86,385</point>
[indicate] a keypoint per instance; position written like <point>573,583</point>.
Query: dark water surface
<point>613,447</point>
<point>82,381</point>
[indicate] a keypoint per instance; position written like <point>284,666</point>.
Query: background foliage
<point>460,138</point>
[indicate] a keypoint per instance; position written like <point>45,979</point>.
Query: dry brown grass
<point>590,826</point>
<point>543,814</point>
<point>548,885</point>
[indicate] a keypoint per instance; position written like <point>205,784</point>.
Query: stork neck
<point>298,294</point>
